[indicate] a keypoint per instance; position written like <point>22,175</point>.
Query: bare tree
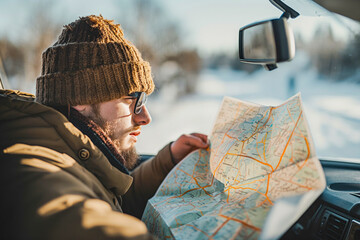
<point>11,61</point>
<point>41,32</point>
<point>160,40</point>
<point>325,51</point>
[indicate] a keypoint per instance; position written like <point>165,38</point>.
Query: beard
<point>130,155</point>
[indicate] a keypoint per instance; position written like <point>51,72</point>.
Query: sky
<point>204,22</point>
<point>208,25</point>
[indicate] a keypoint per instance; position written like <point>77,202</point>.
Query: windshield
<point>192,47</point>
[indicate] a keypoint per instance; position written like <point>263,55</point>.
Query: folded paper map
<point>258,155</point>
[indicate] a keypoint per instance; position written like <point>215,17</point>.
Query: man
<point>66,176</point>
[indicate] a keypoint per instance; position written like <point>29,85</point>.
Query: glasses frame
<point>139,104</point>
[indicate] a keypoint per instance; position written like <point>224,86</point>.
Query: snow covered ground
<point>332,108</point>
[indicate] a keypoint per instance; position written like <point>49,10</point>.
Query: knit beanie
<point>91,62</point>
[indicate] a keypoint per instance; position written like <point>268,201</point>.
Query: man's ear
<point>83,109</point>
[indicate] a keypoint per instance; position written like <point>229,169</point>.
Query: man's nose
<point>143,118</point>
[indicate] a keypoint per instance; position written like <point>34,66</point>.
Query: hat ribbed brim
<point>94,85</point>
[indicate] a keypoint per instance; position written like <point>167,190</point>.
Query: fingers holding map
<point>258,154</point>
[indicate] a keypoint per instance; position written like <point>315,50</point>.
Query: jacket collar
<point>97,136</point>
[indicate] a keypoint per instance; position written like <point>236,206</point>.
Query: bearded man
<point>68,157</point>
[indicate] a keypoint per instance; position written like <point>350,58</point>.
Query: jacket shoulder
<point>46,187</point>
<point>16,94</point>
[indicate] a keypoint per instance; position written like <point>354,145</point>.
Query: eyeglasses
<point>141,99</point>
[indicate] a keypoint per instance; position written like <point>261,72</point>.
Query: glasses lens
<point>140,102</point>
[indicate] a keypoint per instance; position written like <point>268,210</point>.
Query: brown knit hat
<point>91,62</point>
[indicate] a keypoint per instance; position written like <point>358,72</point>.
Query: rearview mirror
<point>266,43</point>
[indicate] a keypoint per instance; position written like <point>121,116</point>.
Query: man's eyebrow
<point>128,97</point>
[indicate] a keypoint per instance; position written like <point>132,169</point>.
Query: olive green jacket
<point>56,184</point>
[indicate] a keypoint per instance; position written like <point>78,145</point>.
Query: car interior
<point>336,213</point>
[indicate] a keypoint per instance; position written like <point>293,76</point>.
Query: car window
<point>325,71</point>
<point>192,47</point>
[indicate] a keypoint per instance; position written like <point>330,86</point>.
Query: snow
<point>332,108</point>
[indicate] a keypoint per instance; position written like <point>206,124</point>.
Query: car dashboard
<point>336,213</point>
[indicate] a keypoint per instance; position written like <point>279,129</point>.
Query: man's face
<point>119,122</point>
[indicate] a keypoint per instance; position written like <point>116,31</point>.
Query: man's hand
<point>187,143</point>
